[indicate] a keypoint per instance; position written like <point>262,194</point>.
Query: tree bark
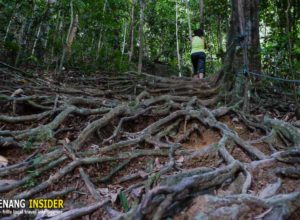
<point>189,19</point>
<point>220,40</point>
<point>21,36</point>
<point>290,52</point>
<point>70,36</point>
<point>132,31</point>
<point>8,27</point>
<point>10,21</point>
<point>141,35</point>
<point>36,39</point>
<point>99,44</point>
<point>177,42</point>
<point>201,3</point>
<point>124,38</point>
<point>249,26</point>
<point>244,21</point>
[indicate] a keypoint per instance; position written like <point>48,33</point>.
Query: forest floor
<point>134,146</point>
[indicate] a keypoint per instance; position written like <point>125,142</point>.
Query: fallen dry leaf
<point>143,174</point>
<point>157,163</point>
<point>137,192</point>
<point>67,140</point>
<point>180,159</point>
<point>3,161</point>
<point>114,196</point>
<point>103,191</point>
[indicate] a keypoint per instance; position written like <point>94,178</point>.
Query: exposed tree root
<point>146,143</point>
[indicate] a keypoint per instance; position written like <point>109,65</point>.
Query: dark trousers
<point>198,60</point>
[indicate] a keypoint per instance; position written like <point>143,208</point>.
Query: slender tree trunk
<point>45,29</point>
<point>45,41</point>
<point>21,36</point>
<point>141,36</point>
<point>124,38</point>
<point>8,27</point>
<point>70,36</point>
<point>189,19</point>
<point>201,3</point>
<point>177,42</point>
<point>220,40</point>
<point>42,33</point>
<point>37,36</point>
<point>99,44</point>
<point>10,21</point>
<point>132,31</point>
<point>28,29</point>
<point>57,29</point>
<point>290,47</point>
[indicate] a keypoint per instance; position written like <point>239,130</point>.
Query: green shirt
<point>197,45</point>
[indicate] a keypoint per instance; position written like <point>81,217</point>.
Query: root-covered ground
<point>134,146</point>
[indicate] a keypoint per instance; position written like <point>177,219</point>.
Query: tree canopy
<point>34,32</point>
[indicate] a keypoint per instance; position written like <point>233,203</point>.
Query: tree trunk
<point>244,21</point>
<point>201,2</point>
<point>28,29</point>
<point>124,38</point>
<point>189,19</point>
<point>21,36</point>
<point>70,36</point>
<point>36,39</point>
<point>290,48</point>
<point>41,39</point>
<point>220,40</point>
<point>141,35</point>
<point>99,44</point>
<point>10,21</point>
<point>177,42</point>
<point>8,27</point>
<point>132,31</point>
<point>244,45</point>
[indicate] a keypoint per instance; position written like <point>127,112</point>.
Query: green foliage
<point>103,24</point>
<point>275,35</point>
<point>44,134</point>
<point>124,201</point>
<point>152,181</point>
<point>32,59</point>
<point>37,161</point>
<point>11,46</point>
<point>29,143</point>
<point>30,183</point>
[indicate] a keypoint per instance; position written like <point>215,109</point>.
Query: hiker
<point>198,54</point>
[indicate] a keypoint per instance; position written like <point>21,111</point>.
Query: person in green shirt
<point>198,54</point>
